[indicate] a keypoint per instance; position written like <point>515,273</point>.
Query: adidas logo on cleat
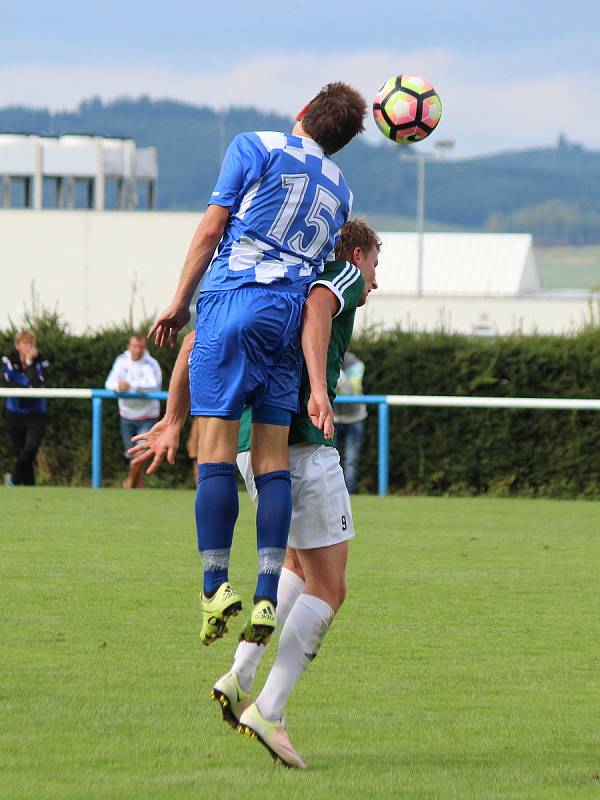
<point>265,615</point>
<point>228,592</point>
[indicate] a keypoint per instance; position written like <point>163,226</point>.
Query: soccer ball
<point>406,109</point>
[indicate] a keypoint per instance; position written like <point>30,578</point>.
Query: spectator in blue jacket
<point>25,418</point>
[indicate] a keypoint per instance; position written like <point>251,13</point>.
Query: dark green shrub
<point>434,451</point>
<point>463,451</point>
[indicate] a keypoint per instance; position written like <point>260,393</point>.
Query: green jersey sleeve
<point>345,281</point>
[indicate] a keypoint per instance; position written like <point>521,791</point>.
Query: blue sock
<point>272,528</point>
<point>217,509</point>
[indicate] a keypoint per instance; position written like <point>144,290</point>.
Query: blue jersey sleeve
<point>244,163</point>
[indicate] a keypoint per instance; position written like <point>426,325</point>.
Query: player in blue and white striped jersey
<point>287,201</point>
<point>276,210</point>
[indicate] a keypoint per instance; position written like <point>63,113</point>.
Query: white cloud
<point>486,108</point>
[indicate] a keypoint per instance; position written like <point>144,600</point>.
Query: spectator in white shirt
<point>135,370</point>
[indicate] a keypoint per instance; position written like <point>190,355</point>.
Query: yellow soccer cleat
<point>216,610</point>
<point>271,735</point>
<point>233,700</point>
<point>261,625</point>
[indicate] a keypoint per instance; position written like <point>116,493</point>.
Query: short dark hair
<point>356,233</point>
<point>334,116</point>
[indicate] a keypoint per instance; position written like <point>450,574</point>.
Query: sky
<point>510,74</point>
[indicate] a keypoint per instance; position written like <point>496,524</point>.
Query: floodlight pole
<point>421,159</point>
<point>420,220</point>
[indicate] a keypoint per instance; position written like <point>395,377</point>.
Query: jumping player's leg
<point>216,515</point>
<point>239,681</point>
<point>274,512</point>
<point>321,527</point>
<point>234,689</point>
<point>249,655</point>
<point>300,640</point>
<point>218,372</point>
<point>273,404</point>
<point>246,350</point>
<point>325,573</point>
<point>306,626</point>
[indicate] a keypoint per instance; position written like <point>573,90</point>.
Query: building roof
<point>459,264</point>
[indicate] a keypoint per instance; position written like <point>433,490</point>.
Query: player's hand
<point>122,386</point>
<point>161,441</point>
<point>168,324</point>
<point>321,413</point>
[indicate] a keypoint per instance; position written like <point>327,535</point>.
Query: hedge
<point>433,451</point>
<point>476,451</point>
<point>84,362</point>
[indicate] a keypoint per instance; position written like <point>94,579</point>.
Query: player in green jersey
<point>312,586</point>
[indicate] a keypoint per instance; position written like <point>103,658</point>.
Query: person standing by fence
<point>25,418</point>
<point>350,418</point>
<point>135,370</point>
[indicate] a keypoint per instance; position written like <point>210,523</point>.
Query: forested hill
<point>553,191</point>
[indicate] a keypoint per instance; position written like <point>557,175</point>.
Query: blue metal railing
<point>380,400</point>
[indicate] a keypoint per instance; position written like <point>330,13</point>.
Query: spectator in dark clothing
<point>25,417</point>
<point>350,419</point>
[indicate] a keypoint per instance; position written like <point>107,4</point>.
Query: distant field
<point>464,664</point>
<point>569,267</point>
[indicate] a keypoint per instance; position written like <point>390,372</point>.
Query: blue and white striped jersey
<point>287,202</point>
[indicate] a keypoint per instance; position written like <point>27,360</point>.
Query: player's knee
<point>340,592</point>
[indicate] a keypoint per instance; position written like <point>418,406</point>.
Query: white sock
<point>299,643</point>
<point>248,655</point>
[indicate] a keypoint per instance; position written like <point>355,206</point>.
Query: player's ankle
<point>259,598</point>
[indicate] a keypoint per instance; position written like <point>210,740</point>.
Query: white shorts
<point>321,513</point>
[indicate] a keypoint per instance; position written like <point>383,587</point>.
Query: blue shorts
<point>247,352</point>
<point>131,428</point>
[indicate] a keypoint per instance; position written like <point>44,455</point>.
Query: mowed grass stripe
<point>464,664</point>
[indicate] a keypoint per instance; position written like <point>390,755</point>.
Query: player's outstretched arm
<point>176,316</point>
<point>162,440</point>
<point>319,309</point>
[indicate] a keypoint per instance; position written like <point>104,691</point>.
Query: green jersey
<point>346,282</point>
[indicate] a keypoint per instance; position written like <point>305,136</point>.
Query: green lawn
<point>569,267</point>
<point>465,663</point>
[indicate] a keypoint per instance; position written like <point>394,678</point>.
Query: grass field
<point>465,663</point>
<point>569,267</point>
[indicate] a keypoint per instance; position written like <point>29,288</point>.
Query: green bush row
<point>84,362</point>
<point>434,451</point>
<point>474,451</point>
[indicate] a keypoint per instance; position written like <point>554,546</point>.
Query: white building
<point>64,160</point>
<point>99,268</point>
<point>479,283</point>
<point>96,268</point>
